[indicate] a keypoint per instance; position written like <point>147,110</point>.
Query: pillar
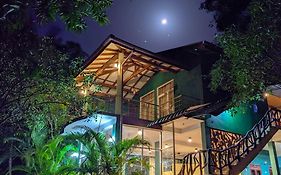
<point>273,158</point>
<point>119,97</point>
<point>205,136</point>
<point>157,159</point>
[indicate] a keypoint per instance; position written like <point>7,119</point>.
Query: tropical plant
<point>51,158</point>
<point>90,152</point>
<point>101,156</point>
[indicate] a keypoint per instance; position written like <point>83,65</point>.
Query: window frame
<point>143,96</point>
<point>158,96</point>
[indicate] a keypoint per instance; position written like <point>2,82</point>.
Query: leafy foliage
<point>71,12</point>
<point>93,152</point>
<point>251,60</point>
<point>51,158</point>
<point>105,157</point>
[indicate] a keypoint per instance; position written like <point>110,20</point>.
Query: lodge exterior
<point>164,98</point>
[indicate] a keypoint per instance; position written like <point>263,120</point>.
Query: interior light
<point>189,139</point>
<point>196,149</point>
<point>139,132</point>
<point>116,65</point>
<point>266,94</point>
<point>149,151</point>
<point>83,92</point>
<point>111,139</point>
<point>166,146</point>
<point>74,155</point>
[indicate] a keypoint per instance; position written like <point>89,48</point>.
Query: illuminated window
<point>147,107</point>
<point>165,94</point>
<point>255,169</point>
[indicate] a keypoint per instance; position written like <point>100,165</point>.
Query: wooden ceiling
<point>137,69</point>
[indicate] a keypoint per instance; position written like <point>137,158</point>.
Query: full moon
<point>164,21</point>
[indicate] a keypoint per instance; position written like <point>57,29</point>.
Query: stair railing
<point>218,161</point>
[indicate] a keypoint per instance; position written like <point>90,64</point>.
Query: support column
<point>273,158</point>
<point>157,159</point>
<point>119,97</point>
<point>205,136</point>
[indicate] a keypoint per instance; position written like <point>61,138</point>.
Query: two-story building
<point>164,98</point>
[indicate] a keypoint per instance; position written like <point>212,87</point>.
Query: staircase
<point>234,159</point>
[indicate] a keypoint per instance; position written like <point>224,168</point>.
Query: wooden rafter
<point>110,71</point>
<point>112,86</point>
<point>133,86</point>
<point>110,61</point>
<point>134,74</point>
<point>150,62</point>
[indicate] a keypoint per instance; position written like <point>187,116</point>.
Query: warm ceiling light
<point>166,146</point>
<point>266,94</point>
<point>189,139</point>
<point>83,92</point>
<point>116,65</point>
<point>196,149</point>
<point>139,132</point>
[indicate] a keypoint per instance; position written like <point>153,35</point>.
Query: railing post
<point>220,163</point>
<point>200,163</point>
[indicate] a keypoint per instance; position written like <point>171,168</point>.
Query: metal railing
<point>220,162</point>
<point>144,110</point>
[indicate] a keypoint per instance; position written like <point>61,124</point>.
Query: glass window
<point>147,107</point>
<point>150,156</point>
<point>165,94</point>
<point>95,122</point>
<point>168,163</point>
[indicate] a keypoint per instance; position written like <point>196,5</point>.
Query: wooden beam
<point>105,54</point>
<point>110,61</point>
<point>112,86</point>
<point>138,71</point>
<point>112,50</point>
<point>106,72</point>
<point>153,63</point>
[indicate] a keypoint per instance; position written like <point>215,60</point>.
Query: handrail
<point>219,159</point>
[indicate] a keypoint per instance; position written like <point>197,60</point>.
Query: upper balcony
<point>145,110</point>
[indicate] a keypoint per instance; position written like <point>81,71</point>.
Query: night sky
<point>140,22</point>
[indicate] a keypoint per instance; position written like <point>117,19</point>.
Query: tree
<point>37,86</point>
<point>71,12</point>
<point>252,57</point>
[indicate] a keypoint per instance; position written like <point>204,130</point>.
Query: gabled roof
<point>139,67</point>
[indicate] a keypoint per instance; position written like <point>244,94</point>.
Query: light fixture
<point>166,146</point>
<point>83,92</point>
<point>265,94</point>
<point>189,139</point>
<point>196,149</point>
<point>116,65</point>
<point>139,132</point>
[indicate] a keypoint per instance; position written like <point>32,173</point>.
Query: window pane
<point>147,107</point>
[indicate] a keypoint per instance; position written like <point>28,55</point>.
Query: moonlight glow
<point>164,21</point>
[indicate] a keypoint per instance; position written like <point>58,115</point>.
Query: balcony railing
<point>145,110</point>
